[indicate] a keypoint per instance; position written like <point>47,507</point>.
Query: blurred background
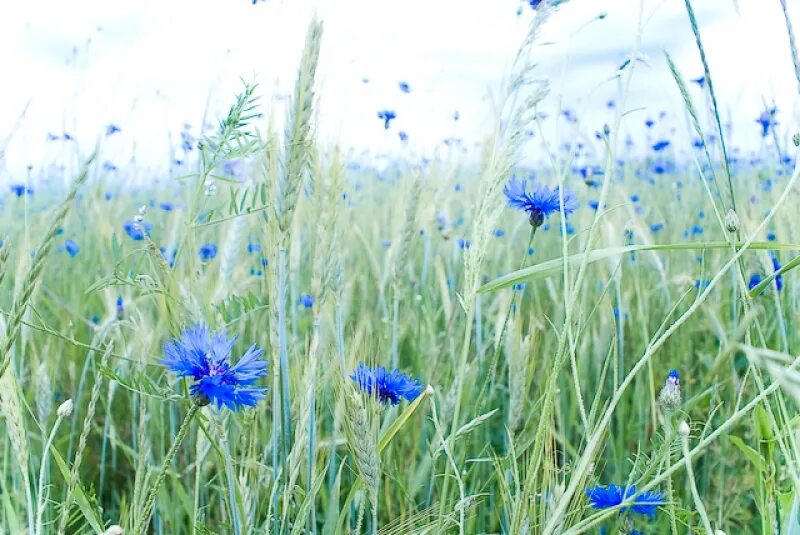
<point>154,69</point>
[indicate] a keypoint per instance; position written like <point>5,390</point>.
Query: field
<point>583,347</point>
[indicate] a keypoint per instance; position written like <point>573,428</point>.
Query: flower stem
<point>147,510</point>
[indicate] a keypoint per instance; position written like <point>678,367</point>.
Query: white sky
<point>151,65</point>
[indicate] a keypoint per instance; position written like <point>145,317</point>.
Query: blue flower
<point>387,116</point>
<point>307,300</point>
<point>71,248</point>
<point>206,358</point>
<point>776,265</point>
<point>120,308</point>
<point>253,247</point>
<point>207,251</point>
<point>108,166</point>
<point>388,386</point>
<point>137,231</point>
<point>404,87</point>
<point>755,280</point>
<point>767,120</point>
<point>112,129</point>
<point>613,495</point>
<point>539,203</point>
<point>167,206</point>
<point>19,190</point>
<point>403,136</point>
<point>660,145</point>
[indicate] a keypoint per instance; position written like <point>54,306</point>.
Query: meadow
<point>603,344</point>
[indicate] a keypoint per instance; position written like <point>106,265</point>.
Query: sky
<point>152,66</point>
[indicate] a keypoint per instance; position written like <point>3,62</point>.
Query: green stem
<point>147,510</point>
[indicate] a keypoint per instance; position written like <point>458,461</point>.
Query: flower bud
<point>670,395</point>
<point>731,221</point>
<point>114,529</point>
<point>683,429</point>
<point>65,409</point>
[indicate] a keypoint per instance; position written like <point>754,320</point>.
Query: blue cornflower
<point>137,231</point>
<point>388,386</point>
<point>19,190</point>
<point>767,120</point>
<point>656,227</point>
<point>253,247</point>
<point>120,308</point>
<point>755,280</point>
<point>464,244</point>
<point>167,206</point>
<point>614,495</point>
<point>207,251</point>
<point>660,145</point>
<point>206,357</point>
<point>649,123</point>
<point>71,247</point>
<point>403,136</point>
<point>387,116</point>
<point>776,265</point>
<point>112,129</point>
<point>539,203</point>
<point>307,300</point>
<point>499,233</point>
<point>404,87</point>
<point>108,166</point>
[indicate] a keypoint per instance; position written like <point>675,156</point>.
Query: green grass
<point>534,394</point>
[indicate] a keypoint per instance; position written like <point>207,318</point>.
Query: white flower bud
<point>65,409</point>
<point>115,529</point>
<point>732,221</point>
<point>683,429</point>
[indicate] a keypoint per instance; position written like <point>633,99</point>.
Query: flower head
<point>19,190</point>
<point>387,116</point>
<point>540,202</point>
<point>670,395</point>
<point>206,357</point>
<point>307,300</point>
<point>388,386</point>
<point>71,247</point>
<point>208,251</point>
<point>137,230</point>
<point>614,495</point>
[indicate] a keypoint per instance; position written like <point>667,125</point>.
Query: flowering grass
<point>313,345</point>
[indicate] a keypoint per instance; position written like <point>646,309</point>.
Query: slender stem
<point>229,475</point>
<point>144,517</point>
<point>42,473</point>
<point>698,503</point>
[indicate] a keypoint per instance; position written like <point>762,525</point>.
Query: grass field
<point>629,322</point>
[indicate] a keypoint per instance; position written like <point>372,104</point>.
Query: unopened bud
<point>115,529</point>
<point>731,221</point>
<point>65,409</point>
<point>683,429</point>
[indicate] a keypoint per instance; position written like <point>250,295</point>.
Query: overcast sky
<point>152,65</point>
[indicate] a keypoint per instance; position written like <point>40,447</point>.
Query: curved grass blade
<point>556,265</point>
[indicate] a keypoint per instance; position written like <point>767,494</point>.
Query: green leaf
<point>555,266</point>
<point>750,453</point>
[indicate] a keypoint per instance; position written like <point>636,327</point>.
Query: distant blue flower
<point>59,231</point>
<point>167,206</point>
<point>168,256</point>
<point>206,358</point>
<point>108,166</point>
<point>539,203</point>
<point>767,120</point>
<point>52,137</point>
<point>518,287</point>
<point>388,386</point>
<point>776,265</point>
<point>770,236</point>
<point>307,300</point>
<point>464,244</point>
<point>120,308</point>
<point>137,231</point>
<point>253,248</point>
<point>264,262</point>
<point>700,81</point>
<point>660,145</point>
<point>656,227</point>
<point>387,116</point>
<point>208,251</point>
<point>403,136</point>
<point>19,190</point>
<point>613,495</point>
<point>499,233</point>
<point>755,280</point>
<point>112,129</point>
<point>71,247</point>
<point>697,229</point>
<point>404,87</point>
<point>649,123</point>
<point>594,205</point>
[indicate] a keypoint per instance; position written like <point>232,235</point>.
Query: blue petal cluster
<point>540,202</point>
<point>208,251</point>
<point>206,357</point>
<point>613,495</point>
<point>137,231</point>
<point>388,386</point>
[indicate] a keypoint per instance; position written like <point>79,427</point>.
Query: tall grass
<point>542,351</point>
